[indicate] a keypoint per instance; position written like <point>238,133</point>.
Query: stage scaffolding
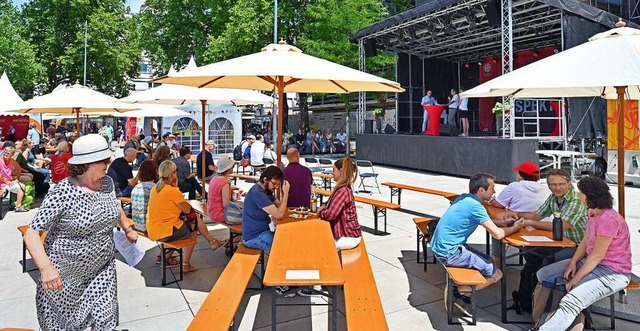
<point>463,32</point>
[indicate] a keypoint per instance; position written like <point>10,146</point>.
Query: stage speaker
<point>370,49</point>
<point>492,9</point>
<point>389,129</point>
<point>449,130</point>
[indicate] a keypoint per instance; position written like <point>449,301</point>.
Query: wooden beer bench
<point>23,231</point>
<point>379,207</point>
<point>462,277</point>
<point>361,298</point>
<point>235,177</point>
<point>219,308</point>
<point>396,190</point>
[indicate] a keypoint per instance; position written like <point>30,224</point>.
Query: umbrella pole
<point>77,122</point>
<point>621,180</point>
<point>204,155</point>
<point>280,115</point>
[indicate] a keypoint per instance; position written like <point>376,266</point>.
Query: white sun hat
<point>90,148</point>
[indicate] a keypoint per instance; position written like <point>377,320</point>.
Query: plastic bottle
<point>557,226</point>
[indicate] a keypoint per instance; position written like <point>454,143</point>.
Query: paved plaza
<point>412,299</point>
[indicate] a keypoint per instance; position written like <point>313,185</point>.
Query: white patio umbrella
<point>9,99</point>
<point>608,65</point>
<point>74,100</point>
<point>282,68</point>
<point>171,94</point>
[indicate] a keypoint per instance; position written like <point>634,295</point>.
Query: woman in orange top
<point>163,217</point>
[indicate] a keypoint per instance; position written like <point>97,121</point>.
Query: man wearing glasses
<point>260,205</point>
<point>565,200</point>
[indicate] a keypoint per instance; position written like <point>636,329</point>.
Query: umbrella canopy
<point>170,94</point>
<point>282,68</point>
<point>608,65</point>
<point>72,100</point>
<point>9,99</point>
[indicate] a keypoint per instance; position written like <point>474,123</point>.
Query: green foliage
<point>174,30</point>
<point>57,27</point>
<point>378,112</point>
<point>17,55</point>
<point>249,28</point>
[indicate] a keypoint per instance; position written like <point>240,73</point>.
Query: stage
<point>460,156</point>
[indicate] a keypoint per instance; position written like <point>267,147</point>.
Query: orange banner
<point>631,131</point>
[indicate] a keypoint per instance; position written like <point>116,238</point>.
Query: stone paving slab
<point>412,299</point>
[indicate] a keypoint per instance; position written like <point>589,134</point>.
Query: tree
<point>17,55</point>
<point>174,30</point>
<point>57,27</point>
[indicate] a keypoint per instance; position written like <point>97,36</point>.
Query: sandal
<point>172,261</point>
<point>20,210</point>
<point>217,244</point>
<point>188,267</point>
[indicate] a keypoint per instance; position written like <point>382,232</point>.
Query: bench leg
<point>612,309</point>
<point>449,306</point>
<point>395,192</point>
<point>419,237</point>
<point>424,252</point>
<point>163,252</point>
<point>473,305</point>
<point>379,212</point>
<point>24,256</point>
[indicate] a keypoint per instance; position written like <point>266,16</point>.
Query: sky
<point>134,4</point>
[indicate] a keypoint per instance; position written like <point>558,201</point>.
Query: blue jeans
<point>425,121</point>
<point>468,257</point>
<point>140,157</point>
<point>600,283</point>
<point>126,192</point>
<point>262,242</point>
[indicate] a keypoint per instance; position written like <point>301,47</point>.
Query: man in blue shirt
<point>260,205</point>
<point>449,241</point>
<point>427,100</point>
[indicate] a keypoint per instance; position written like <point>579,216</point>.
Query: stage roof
<point>459,31</point>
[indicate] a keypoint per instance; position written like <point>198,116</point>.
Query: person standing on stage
<point>453,107</point>
<point>427,100</point>
<point>465,114</point>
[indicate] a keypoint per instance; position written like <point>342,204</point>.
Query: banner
<point>631,131</point>
<point>131,127</point>
<point>20,123</point>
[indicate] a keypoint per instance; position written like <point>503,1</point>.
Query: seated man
<point>260,205</point>
<point>187,181</point>
<point>300,179</point>
<point>449,241</point>
<point>257,153</point>
<point>210,167</point>
<point>564,199</point>
<point>121,172</point>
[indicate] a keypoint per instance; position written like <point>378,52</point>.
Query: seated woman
<point>269,154</point>
<point>341,208</point>
<point>147,174</point>
<point>220,189</point>
<point>601,265</point>
<point>32,161</point>
<point>7,183</point>
<point>161,154</point>
<point>59,162</point>
<point>163,217</point>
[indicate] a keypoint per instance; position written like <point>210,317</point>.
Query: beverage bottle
<point>314,203</point>
<point>557,227</point>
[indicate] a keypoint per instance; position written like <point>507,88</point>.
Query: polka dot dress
<point>80,245</point>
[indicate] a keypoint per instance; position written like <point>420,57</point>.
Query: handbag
<point>233,213</point>
<point>190,218</point>
<point>244,163</point>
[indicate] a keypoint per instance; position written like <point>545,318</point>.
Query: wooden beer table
<point>303,254</point>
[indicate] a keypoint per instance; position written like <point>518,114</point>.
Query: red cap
<point>528,168</point>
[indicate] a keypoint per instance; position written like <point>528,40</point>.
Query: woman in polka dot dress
<point>77,287</point>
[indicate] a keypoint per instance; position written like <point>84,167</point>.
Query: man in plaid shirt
<point>564,199</point>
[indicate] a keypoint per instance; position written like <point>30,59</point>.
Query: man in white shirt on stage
<point>427,100</point>
<point>453,107</point>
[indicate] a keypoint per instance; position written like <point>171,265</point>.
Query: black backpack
<point>523,297</point>
<point>237,153</point>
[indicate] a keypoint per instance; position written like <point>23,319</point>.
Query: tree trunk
<point>304,112</point>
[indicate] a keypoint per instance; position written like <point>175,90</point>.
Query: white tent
<point>9,99</point>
